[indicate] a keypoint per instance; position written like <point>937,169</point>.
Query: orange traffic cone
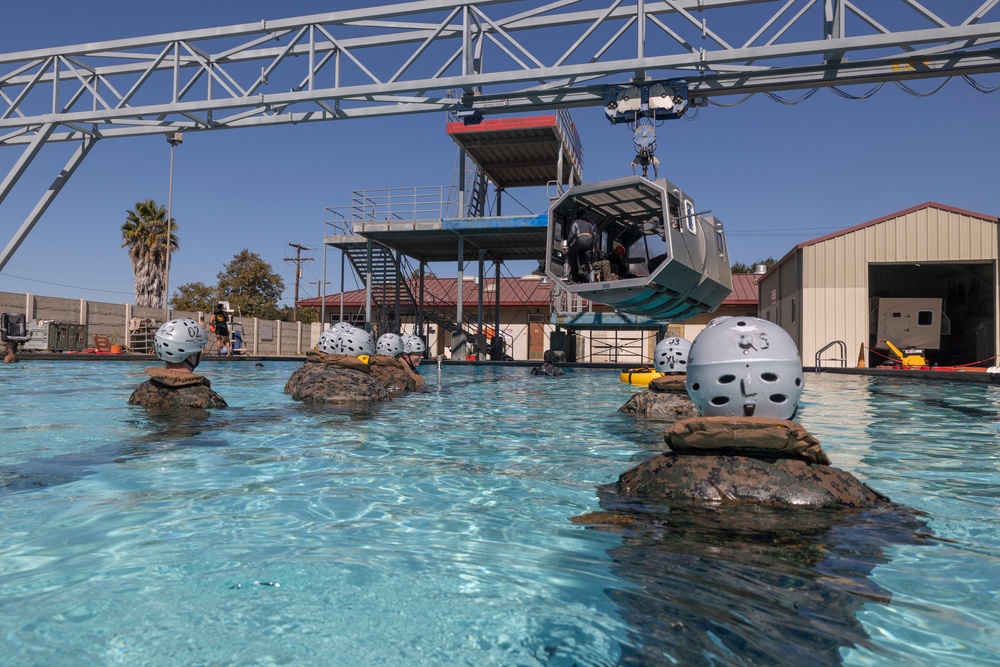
<point>861,357</point>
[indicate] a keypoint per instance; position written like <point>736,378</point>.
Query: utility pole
<point>298,259</point>
<point>317,283</point>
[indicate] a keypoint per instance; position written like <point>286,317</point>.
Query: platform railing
<point>432,202</point>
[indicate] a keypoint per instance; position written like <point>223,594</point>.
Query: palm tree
<point>144,234</point>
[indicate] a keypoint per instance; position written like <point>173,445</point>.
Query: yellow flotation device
<point>641,377</point>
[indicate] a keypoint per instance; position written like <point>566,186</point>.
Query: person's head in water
<point>413,349</point>
<point>549,356</point>
<point>179,343</point>
<point>744,367</point>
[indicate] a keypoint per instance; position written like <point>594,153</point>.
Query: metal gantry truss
<point>491,56</point>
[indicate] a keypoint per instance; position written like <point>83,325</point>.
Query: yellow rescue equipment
<point>640,377</point>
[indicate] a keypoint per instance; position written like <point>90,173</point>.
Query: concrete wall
<point>260,337</point>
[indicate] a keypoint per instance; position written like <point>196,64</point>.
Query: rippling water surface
<point>435,530</point>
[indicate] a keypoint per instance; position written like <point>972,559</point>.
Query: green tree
<point>195,297</point>
<point>251,284</point>
<point>306,315</point>
<point>144,233</point>
<point>740,267</point>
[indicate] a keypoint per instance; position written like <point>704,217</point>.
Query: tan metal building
<point>931,268</point>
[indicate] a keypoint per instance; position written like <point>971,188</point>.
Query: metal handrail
<point>841,345</point>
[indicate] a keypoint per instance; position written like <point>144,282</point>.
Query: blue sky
<point>775,174</point>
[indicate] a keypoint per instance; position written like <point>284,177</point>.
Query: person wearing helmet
<point>179,343</point>
<point>666,397</point>
<point>391,364</point>
<point>745,367</point>
<point>413,350</point>
<point>671,355</point>
<point>614,266</point>
<point>745,378</point>
<point>338,370</point>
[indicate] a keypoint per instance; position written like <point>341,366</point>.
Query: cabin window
<point>690,221</point>
<point>925,318</point>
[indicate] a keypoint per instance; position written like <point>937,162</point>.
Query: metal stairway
<point>392,289</point>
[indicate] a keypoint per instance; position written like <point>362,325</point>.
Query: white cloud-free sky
<point>775,174</point>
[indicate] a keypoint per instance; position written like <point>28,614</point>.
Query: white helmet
<point>389,344</point>
<point>356,342</point>
<point>341,327</point>
<point>329,342</point>
<point>743,367</point>
<point>179,340</point>
<point>413,344</point>
<point>671,354</point>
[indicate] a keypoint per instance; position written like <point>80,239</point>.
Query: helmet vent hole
<point>798,382</point>
<point>695,387</point>
<point>720,400</point>
<point>778,398</point>
<point>768,377</point>
<point>726,379</point>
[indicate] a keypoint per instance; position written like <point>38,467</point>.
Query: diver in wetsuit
<point>580,245</point>
<point>549,367</point>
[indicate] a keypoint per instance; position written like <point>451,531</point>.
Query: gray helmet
<point>356,342</point>
<point>341,327</point>
<point>671,354</point>
<point>329,342</point>
<point>743,367</point>
<point>413,344</point>
<point>389,344</point>
<point>178,340</point>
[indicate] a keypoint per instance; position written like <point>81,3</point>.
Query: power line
<point>298,259</point>
<point>46,282</point>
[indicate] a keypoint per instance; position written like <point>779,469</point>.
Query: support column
<point>458,342</point>
<point>480,351</point>
<point>368,285</point>
<point>497,338</point>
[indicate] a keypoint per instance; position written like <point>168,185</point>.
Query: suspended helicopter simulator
<point>650,253</point>
<point>639,244</point>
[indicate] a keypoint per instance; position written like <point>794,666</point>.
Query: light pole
<point>174,139</point>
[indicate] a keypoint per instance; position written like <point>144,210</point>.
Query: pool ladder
<point>842,350</point>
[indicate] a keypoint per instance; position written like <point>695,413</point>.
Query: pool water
<point>436,529</point>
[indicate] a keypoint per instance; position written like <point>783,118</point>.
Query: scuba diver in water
<point>339,370</point>
<point>548,366</point>
<point>179,344</point>
<point>580,246</point>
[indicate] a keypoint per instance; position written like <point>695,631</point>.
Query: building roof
<point>530,292</point>
<point>871,223</point>
<point>744,290</point>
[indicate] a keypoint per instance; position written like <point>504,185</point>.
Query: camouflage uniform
<point>174,388</point>
<point>395,374</point>
<point>666,398</point>
<point>745,460</point>
<point>335,379</point>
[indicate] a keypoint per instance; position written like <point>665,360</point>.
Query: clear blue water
<point>435,530</point>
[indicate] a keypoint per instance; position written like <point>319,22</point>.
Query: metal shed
<point>826,289</point>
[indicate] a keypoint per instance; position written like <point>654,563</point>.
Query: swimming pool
<point>435,530</point>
